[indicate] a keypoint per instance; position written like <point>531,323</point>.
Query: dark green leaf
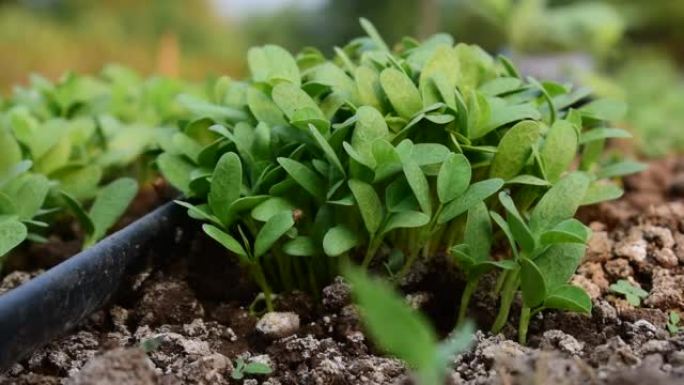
<point>226,184</point>
<point>559,149</point>
<point>305,177</point>
<point>559,203</point>
<point>227,241</point>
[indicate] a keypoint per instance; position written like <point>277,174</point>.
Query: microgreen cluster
<point>394,155</point>
<point>65,144</point>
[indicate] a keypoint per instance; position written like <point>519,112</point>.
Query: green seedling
<point>110,204</point>
<point>673,322</point>
<point>241,368</point>
<point>404,333</point>
<point>381,153</point>
<point>547,248</point>
<point>633,294</point>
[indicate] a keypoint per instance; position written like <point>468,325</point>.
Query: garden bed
<point>184,319</point>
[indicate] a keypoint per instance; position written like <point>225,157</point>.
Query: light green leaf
<point>601,191</point>
<point>559,262</point>
<point>604,109</point>
<point>28,194</point>
<point>518,227</point>
<point>370,30</point>
<point>569,297</point>
<point>263,108</point>
<point>532,283</point>
<point>226,184</point>
<point>84,220</point>
<point>559,149</point>
<point>327,149</point>
<point>301,246</point>
<point>478,233</point>
<point>453,178</point>
<point>602,133</point>
<point>339,240</point>
<point>389,320</point>
<point>370,125</point>
<point>305,177</point>
<point>272,64</point>
<point>12,233</point>
<point>568,231</point>
<point>369,204</point>
<point>270,207</point>
<point>110,204</point>
<point>227,241</point>
<point>475,193</point>
<point>405,220</point>
<point>401,92</point>
<point>529,180</point>
<point>269,234</point>
<point>290,98</point>
<point>81,183</point>
<point>559,203</point>
<point>368,86</point>
<point>514,150</point>
<point>621,169</point>
<point>11,152</point>
<point>176,171</point>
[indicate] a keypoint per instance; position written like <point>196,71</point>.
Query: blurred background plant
<point>626,48</point>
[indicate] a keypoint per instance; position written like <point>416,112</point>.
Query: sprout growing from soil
<point>633,294</point>
<point>380,153</point>
<point>405,333</point>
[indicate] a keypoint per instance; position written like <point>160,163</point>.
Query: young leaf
<point>110,204</point>
<point>226,183</point>
<point>75,206</point>
<point>305,177</point>
<point>401,92</point>
<point>389,320</point>
<point>373,34</point>
<point>604,109</point>
<point>272,64</point>
<point>558,263</point>
<point>532,283</point>
<point>270,207</point>
<point>600,191</point>
<point>405,220</point>
<point>28,194</point>
<point>568,231</point>
<point>301,246</point>
<point>453,178</point>
<point>327,150</point>
<point>478,232</point>
<point>602,133</point>
<point>269,234</point>
<point>370,125</point>
<point>339,240</point>
<point>12,233</point>
<point>632,293</point>
<point>263,108</point>
<point>521,233</point>
<point>514,150</point>
<point>369,204</point>
<point>569,297</point>
<point>290,98</point>
<point>177,171</point>
<point>475,193</point>
<point>559,149</point>
<point>559,203</point>
<point>620,169</point>
<point>227,241</point>
<point>419,184</point>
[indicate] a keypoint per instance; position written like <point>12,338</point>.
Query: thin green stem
<point>260,279</point>
<point>507,296</point>
<point>465,300</point>
<point>524,324</point>
<point>500,281</point>
<point>373,247</point>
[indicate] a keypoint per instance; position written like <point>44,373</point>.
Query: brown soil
<point>187,322</point>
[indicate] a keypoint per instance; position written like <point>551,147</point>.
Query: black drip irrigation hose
<point>56,301</point>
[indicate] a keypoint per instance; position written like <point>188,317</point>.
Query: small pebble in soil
<point>278,324</point>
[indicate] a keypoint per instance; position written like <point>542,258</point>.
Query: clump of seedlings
<point>66,144</point>
<point>398,155</point>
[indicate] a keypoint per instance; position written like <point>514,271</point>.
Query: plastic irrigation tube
<point>56,301</point>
